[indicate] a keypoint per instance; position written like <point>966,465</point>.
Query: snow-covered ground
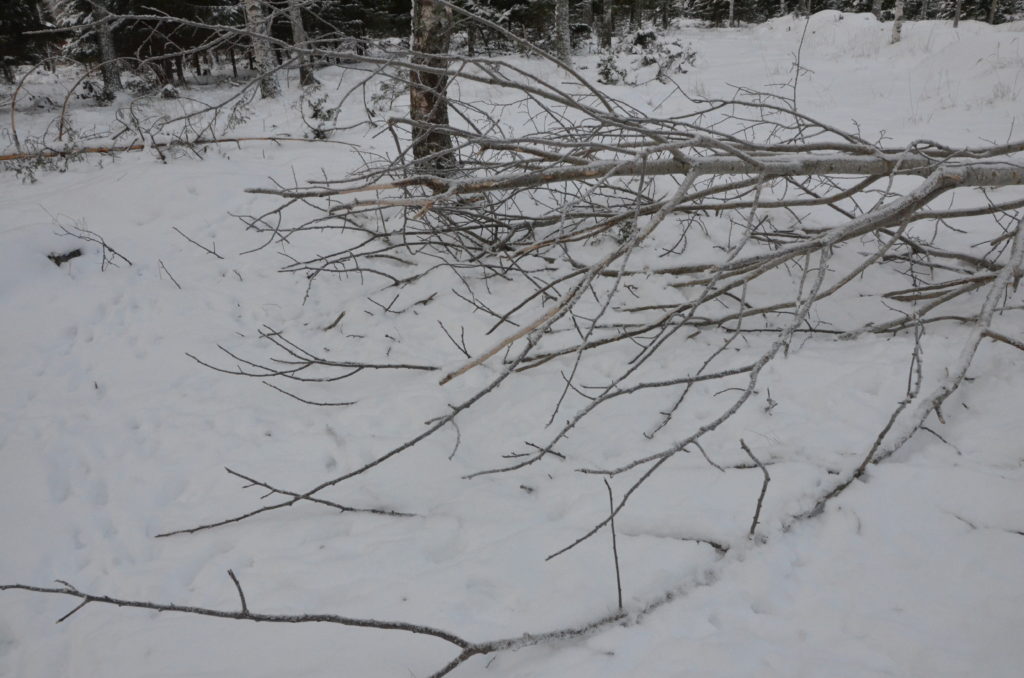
<point>111,434</point>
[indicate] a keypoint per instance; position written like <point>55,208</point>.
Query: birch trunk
<point>428,100</point>
<point>897,23</point>
<point>256,24</point>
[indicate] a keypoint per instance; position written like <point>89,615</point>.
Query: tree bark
<point>992,11</point>
<point>607,23</point>
<point>897,23</point>
<point>256,25</point>
<point>956,13</point>
<point>428,92</point>
<point>168,70</point>
<point>111,67</point>
<point>636,15</point>
<point>563,37</point>
<point>306,78</point>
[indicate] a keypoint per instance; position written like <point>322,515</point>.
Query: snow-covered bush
<point>140,83</point>
<point>608,70</point>
<point>94,90</point>
<point>647,56</point>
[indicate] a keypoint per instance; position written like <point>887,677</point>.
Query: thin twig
<point>241,594</point>
<point>615,545</point>
<point>764,487</point>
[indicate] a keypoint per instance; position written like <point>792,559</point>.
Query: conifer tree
<point>16,18</point>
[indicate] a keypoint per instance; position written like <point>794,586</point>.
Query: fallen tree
<point>741,221</point>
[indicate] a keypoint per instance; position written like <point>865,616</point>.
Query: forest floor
<point>110,433</point>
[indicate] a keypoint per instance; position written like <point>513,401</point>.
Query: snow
<point>110,434</point>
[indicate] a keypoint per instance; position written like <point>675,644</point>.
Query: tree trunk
<point>607,23</point>
<point>876,8</point>
<point>732,13</point>
<point>168,70</point>
<point>992,11</point>
<point>111,67</point>
<point>897,22</point>
<point>256,25</point>
<point>563,38</point>
<point>428,92</point>
<point>636,14</point>
<point>299,40</point>
<point>956,13</point>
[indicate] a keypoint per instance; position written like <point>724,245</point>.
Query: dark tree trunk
<point>428,102</point>
<point>636,14</point>
<point>607,23</point>
<point>234,64</point>
<point>110,67</point>
<point>179,69</point>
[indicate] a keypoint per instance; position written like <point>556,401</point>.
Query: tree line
<point>182,35</point>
